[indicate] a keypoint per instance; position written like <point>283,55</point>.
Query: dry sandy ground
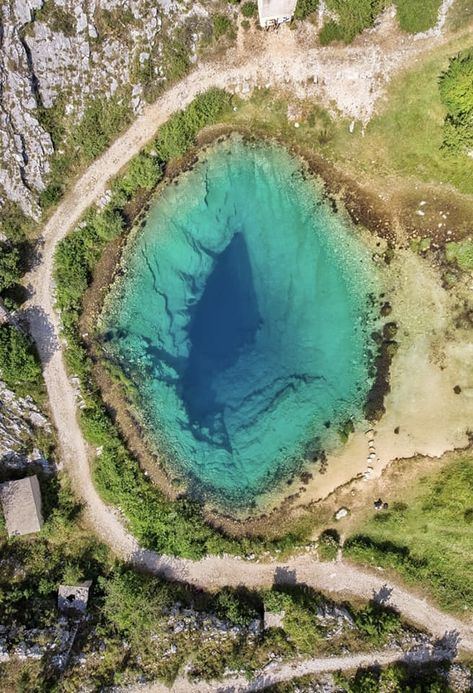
<point>424,415</point>
<point>352,77</point>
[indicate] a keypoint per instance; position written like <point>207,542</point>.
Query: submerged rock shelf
<point>243,321</point>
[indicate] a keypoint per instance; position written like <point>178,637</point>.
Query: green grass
<point>461,252</point>
<point>406,137</point>
<point>427,536</point>
<point>415,16</point>
<point>357,15</point>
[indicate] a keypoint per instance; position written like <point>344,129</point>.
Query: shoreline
<point>283,495</point>
<point>284,506</point>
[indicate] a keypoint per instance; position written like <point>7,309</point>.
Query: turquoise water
<point>242,319</point>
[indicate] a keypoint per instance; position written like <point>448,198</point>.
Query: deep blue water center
<point>242,319</point>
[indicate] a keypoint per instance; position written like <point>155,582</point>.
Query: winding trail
<point>354,77</point>
<point>285,672</point>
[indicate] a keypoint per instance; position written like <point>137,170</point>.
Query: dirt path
<point>353,77</point>
<point>291,670</point>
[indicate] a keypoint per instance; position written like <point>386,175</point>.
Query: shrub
<point>305,7</point>
<point>143,172</point>
<point>461,252</point>
<point>135,603</point>
<point>249,9</point>
<point>102,120</point>
<point>13,222</point>
<point>330,33</point>
<point>329,542</point>
<point>175,58</point>
<point>50,195</point>
<point>179,132</point>
<point>377,622</point>
<point>19,361</point>
<point>174,138</point>
<point>456,93</point>
<point>221,25</point>
<point>235,606</point>
<point>353,18</point>
<point>9,266</point>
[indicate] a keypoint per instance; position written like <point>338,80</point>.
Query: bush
<point>144,172</point>
<point>237,607</point>
<point>14,223</point>
<point>9,266</point>
<point>179,132</point>
<point>330,33</point>
<point>221,25</point>
<point>135,604</point>
<point>377,622</point>
<point>175,58</point>
<point>353,18</point>
<point>19,361</point>
<point>461,252</point>
<point>305,7</point>
<point>456,93</point>
<point>329,542</point>
<point>175,137</point>
<point>300,605</point>
<point>50,195</point>
<point>102,120</point>
<point>249,9</point>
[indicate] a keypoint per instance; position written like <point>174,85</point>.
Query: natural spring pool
<point>243,320</point>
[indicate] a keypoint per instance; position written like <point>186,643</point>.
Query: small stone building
<point>274,12</point>
<point>73,598</point>
<point>21,503</point>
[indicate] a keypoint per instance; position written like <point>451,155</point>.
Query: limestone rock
<point>60,54</point>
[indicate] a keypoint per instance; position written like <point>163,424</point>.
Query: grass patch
<point>57,18</point>
<point>417,16</point>
<point>393,142</point>
<point>357,15</point>
<point>461,252</point>
<point>328,544</point>
<point>427,538</point>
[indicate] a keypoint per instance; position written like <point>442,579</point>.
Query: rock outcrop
<point>20,421</point>
<point>57,54</point>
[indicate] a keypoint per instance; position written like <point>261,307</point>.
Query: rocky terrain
<point>58,55</point>
<point>21,422</point>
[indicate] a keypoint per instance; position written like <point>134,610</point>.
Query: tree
<point>9,266</point>
<point>456,93</point>
<point>19,361</point>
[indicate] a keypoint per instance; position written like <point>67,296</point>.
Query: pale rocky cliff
<point>60,53</point>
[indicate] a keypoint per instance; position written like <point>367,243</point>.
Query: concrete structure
<point>73,597</point>
<point>273,619</point>
<point>21,503</point>
<point>274,12</point>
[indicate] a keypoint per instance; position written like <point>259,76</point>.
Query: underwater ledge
<point>133,427</point>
